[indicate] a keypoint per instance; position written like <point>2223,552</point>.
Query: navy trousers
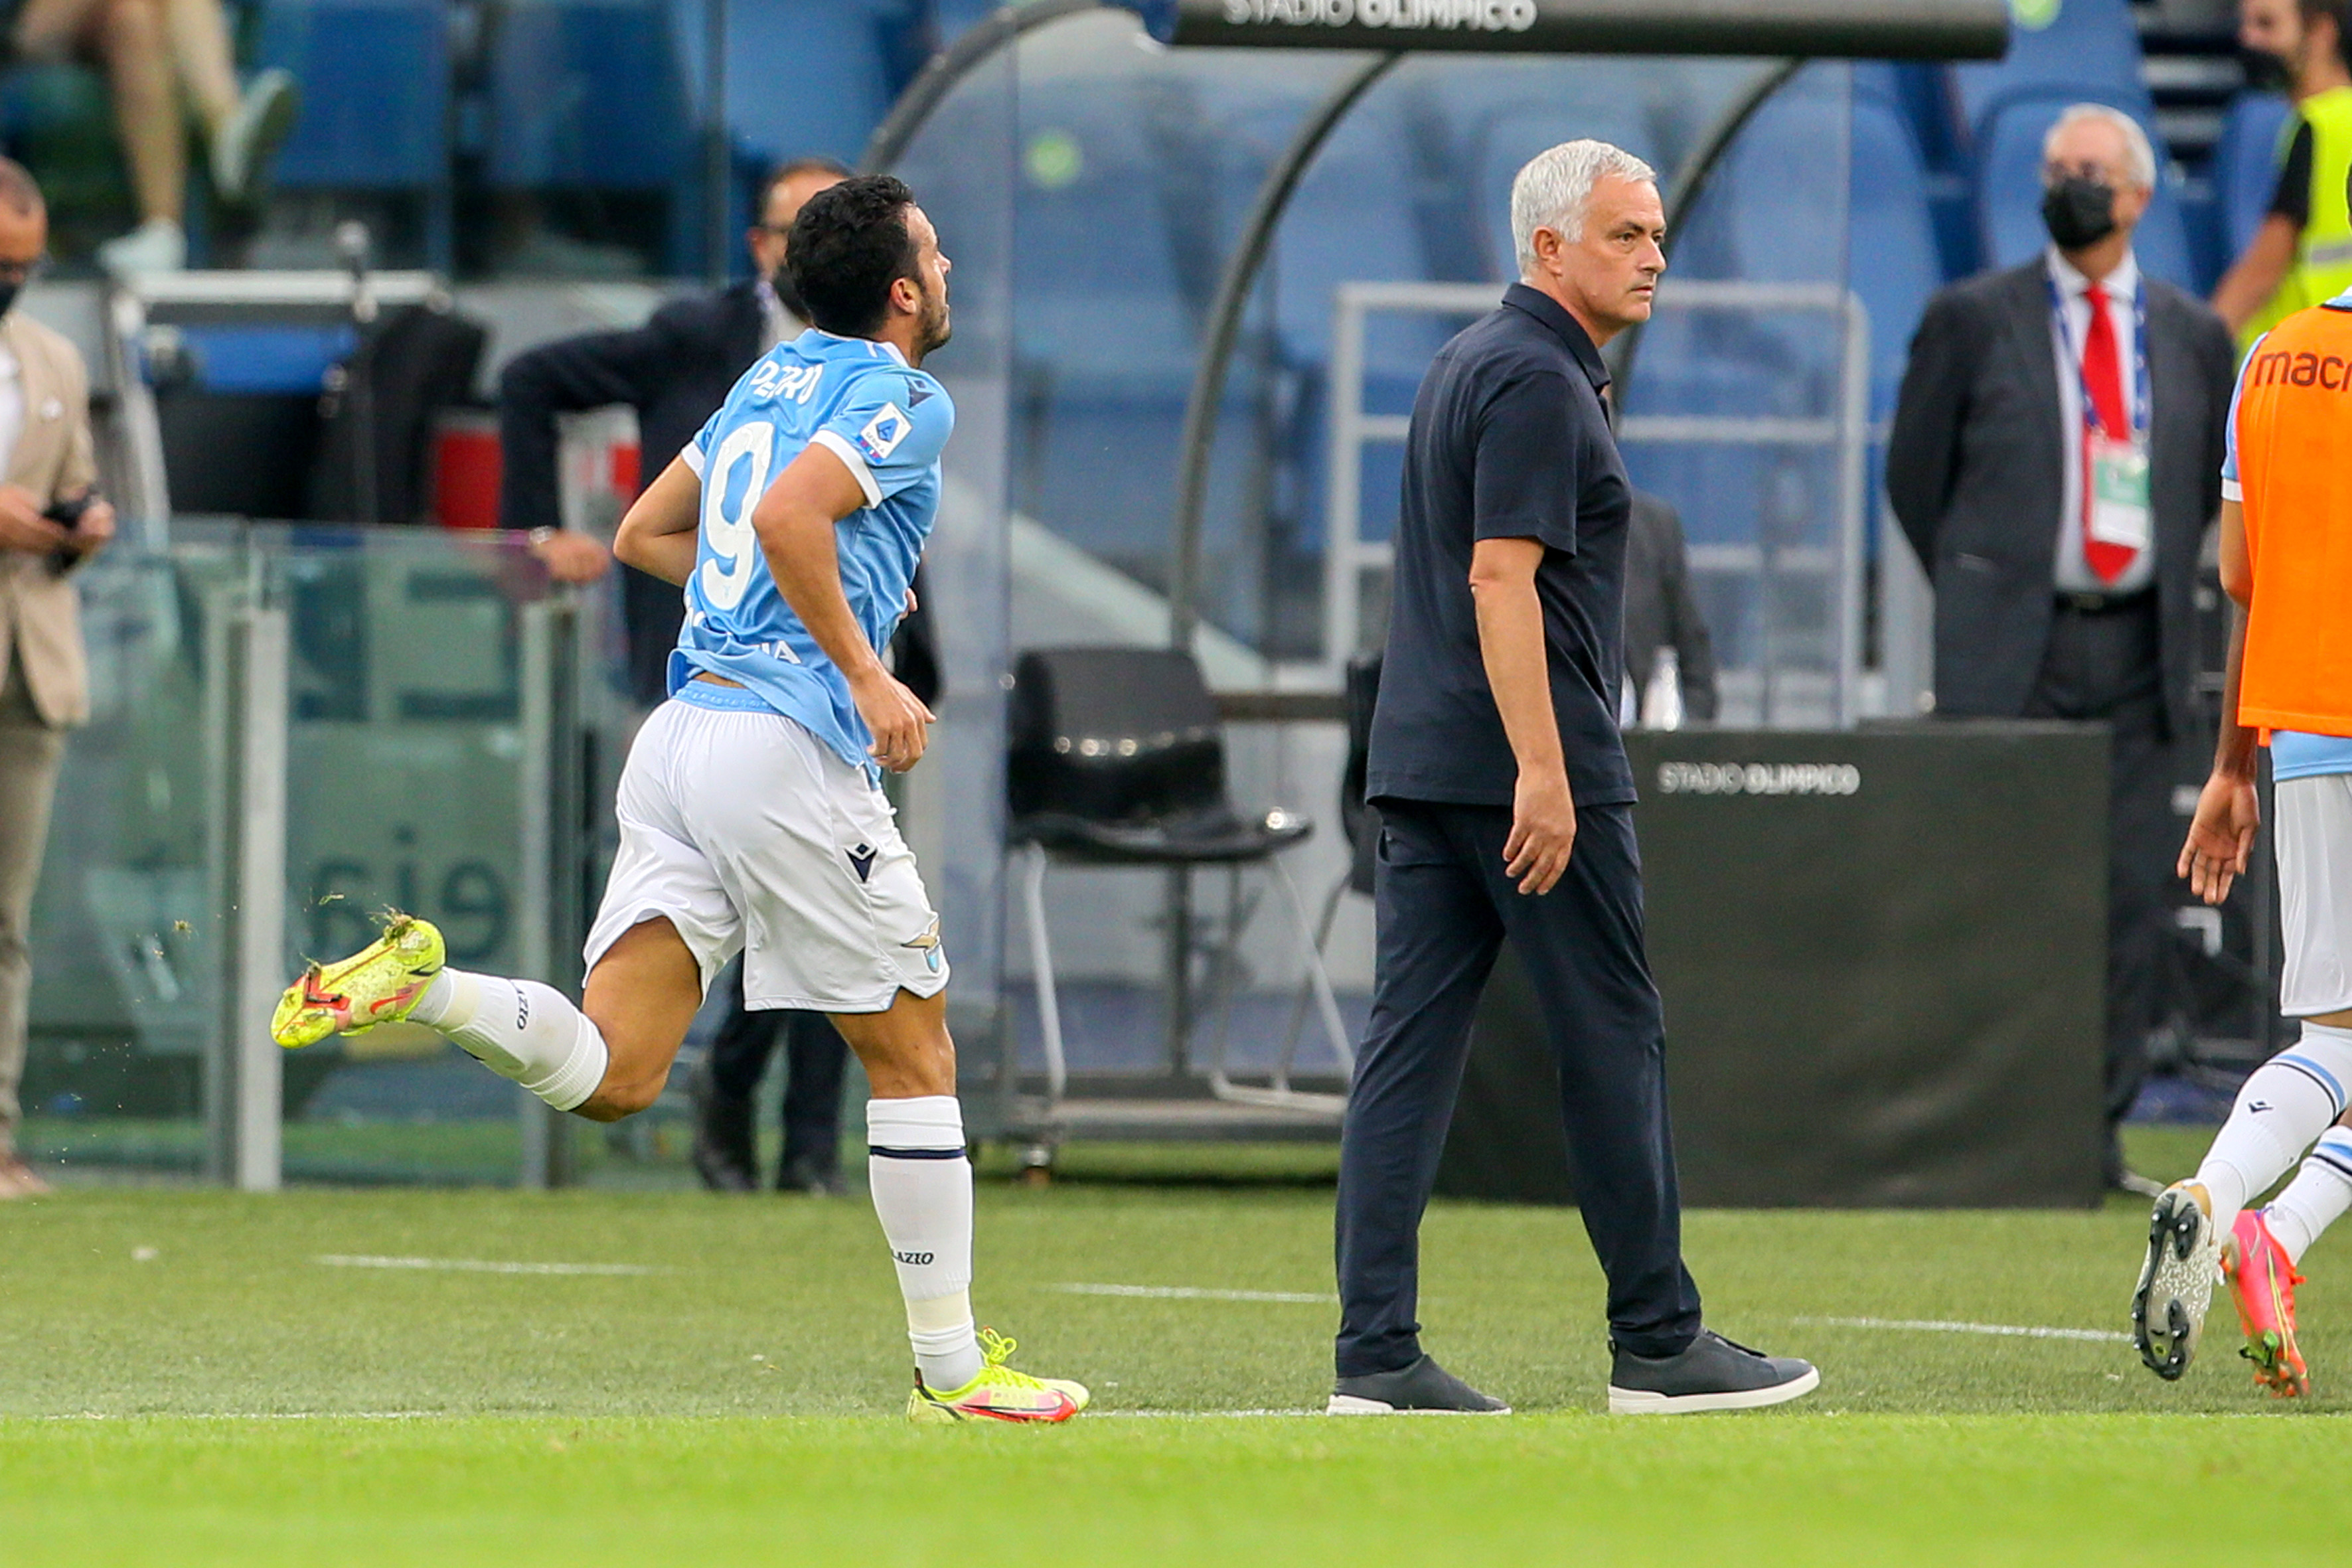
<point>1444,907</point>
<point>816,1058</point>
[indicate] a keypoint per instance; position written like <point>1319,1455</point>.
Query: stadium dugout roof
<point>1386,31</point>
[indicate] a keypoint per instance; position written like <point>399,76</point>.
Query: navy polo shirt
<point>1509,441</point>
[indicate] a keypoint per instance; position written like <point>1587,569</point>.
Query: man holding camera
<point>50,522</point>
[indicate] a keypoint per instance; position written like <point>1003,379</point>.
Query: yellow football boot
<point>377,985</point>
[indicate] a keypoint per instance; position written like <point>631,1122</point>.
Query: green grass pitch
<point>182,1381</point>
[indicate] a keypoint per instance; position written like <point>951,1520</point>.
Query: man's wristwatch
<point>538,536</point>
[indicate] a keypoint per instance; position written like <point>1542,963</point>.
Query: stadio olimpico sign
<point>1759,778</point>
<point>1477,16</point>
<point>1862,29</point>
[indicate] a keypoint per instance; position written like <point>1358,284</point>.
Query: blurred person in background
<point>2055,458</point>
<point>164,59</point>
<point>1663,623</point>
<point>50,522</point>
<point>675,372</point>
<point>2302,254</point>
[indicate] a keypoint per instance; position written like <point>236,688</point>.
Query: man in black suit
<point>1662,613</point>
<point>2056,459</point>
<point>676,370</point>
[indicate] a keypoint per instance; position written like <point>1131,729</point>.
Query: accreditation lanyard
<point>2116,510</point>
<point>2139,432</point>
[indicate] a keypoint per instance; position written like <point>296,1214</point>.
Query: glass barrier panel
<point>962,167</point>
<point>1747,407</point>
<point>126,930</point>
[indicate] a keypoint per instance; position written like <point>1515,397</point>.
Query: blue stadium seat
<point>376,92</point>
<point>2008,185</point>
<point>1772,212</point>
<point>2089,49</point>
<point>586,95</point>
<point>376,100</point>
<point>1892,253</point>
<point>2246,163</point>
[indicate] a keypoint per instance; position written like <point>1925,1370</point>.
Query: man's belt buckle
<point>2094,603</point>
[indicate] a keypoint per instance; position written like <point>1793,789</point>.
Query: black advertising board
<point>1853,29</point>
<point>1883,956</point>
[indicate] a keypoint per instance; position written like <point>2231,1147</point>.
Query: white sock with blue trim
<point>2317,1196</point>
<point>519,1030</point>
<point>2291,1099</point>
<point>922,1195</point>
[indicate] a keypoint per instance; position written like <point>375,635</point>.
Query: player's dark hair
<point>792,169</point>
<point>848,247</point>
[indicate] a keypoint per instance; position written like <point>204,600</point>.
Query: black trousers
<point>1444,908</point>
<point>2103,665</point>
<point>816,1059</point>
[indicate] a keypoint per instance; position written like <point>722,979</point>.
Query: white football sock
<point>922,1195</point>
<point>2317,1196</point>
<point>519,1030</point>
<point>2291,1099</point>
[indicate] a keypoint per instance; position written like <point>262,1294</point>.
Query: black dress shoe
<point>1424,1388</point>
<point>725,1153</point>
<point>805,1173</point>
<point>1713,1374</point>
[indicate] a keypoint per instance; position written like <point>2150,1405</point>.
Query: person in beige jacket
<point>46,471</point>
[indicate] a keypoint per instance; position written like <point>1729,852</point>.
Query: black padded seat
<point>1119,757</point>
<point>1192,839</point>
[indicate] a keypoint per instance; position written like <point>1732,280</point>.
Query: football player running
<point>751,817</point>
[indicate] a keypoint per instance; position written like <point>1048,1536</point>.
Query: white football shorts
<point>752,837</point>
<point>2314,834</point>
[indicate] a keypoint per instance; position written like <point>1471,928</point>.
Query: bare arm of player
<point>657,537</point>
<point>2229,809</point>
<point>794,522</point>
<point>1511,645</point>
<point>2255,276</point>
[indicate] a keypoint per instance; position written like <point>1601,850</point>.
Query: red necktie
<point>2103,378</point>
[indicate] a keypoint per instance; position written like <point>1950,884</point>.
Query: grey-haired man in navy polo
<point>1506,804</point>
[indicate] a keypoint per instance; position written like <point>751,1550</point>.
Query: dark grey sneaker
<point>1424,1388</point>
<point>1712,1374</point>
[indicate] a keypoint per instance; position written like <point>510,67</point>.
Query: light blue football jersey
<point>888,422</point>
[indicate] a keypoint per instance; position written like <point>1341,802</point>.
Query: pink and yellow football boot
<point>2261,1282</point>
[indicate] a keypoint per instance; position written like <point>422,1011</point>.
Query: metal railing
<point>1348,556</point>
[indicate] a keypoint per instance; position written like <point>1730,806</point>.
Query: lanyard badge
<point>2115,464</point>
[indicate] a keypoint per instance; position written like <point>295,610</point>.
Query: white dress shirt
<point>12,405</point>
<point>776,323</point>
<point>2073,574</point>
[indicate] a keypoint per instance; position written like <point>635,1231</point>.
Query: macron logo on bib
<point>884,432</point>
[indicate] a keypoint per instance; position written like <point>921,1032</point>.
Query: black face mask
<point>787,294</point>
<point>2078,211</point>
<point>2265,72</point>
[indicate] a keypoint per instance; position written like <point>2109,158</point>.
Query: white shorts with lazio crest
<point>751,836</point>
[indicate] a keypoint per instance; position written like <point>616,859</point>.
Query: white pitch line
<point>1196,1293</point>
<point>1191,1414</point>
<point>476,1266</point>
<point>2002,1330</point>
<point>251,1416</point>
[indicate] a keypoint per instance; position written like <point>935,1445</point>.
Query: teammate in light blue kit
<point>751,813</point>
